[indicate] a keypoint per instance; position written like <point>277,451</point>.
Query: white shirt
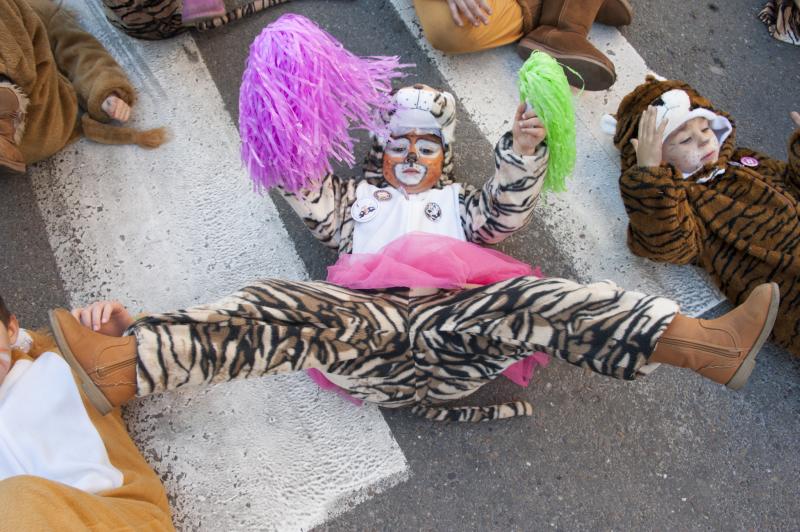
<point>45,430</point>
<point>382,215</point>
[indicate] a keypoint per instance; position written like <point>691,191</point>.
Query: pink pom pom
<point>301,93</point>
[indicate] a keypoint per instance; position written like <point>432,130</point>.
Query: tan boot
<point>12,115</point>
<point>564,25</point>
<point>724,349</point>
<point>615,13</point>
<point>105,365</point>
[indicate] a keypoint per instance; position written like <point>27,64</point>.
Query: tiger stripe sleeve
<point>661,224</point>
<point>505,203</point>
<point>324,209</point>
<point>785,174</point>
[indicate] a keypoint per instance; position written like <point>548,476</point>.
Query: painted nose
<point>412,157</point>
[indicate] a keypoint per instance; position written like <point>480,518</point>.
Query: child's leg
<point>146,19</point>
<point>600,326</point>
<point>505,26</point>
<point>271,327</point>
<point>237,13</point>
<point>267,328</point>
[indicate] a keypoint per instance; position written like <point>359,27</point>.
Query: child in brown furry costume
<point>35,491</point>
<point>50,69</point>
<point>694,197</point>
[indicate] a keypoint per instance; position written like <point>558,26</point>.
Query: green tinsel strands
<point>542,84</point>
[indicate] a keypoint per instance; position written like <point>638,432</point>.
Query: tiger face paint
<point>413,162</point>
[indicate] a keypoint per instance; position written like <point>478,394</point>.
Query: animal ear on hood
<point>634,104</point>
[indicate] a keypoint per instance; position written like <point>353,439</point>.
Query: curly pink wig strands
<point>301,93</point>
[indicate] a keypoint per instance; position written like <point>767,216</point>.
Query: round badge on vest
<point>364,209</point>
<point>751,162</point>
<point>382,195</point>
<point>433,211</point>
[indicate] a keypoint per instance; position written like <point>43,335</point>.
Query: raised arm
<point>326,210</point>
<point>786,174</point>
<point>505,202</point>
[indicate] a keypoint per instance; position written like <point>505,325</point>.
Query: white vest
<point>383,214</point>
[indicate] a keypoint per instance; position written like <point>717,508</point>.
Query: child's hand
<point>795,118</point>
<point>650,141</point>
<point>105,317</point>
<point>116,108</point>
<point>528,131</point>
<point>475,11</point>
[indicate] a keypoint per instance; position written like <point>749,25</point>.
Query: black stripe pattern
<point>394,350</point>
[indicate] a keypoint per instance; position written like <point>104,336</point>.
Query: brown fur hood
<point>634,104</point>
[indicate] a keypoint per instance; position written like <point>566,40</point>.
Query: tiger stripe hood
<point>443,110</point>
<point>636,102</point>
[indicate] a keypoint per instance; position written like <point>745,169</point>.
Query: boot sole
<point>10,169</point>
<point>739,378</point>
<point>598,76</point>
<point>617,23</point>
<point>92,391</point>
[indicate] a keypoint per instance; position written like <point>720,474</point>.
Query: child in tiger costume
<point>694,197</point>
<point>57,83</point>
<point>63,465</point>
<point>421,346</point>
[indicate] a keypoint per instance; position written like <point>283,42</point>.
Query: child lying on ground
<point>63,466</point>
<point>416,335</point>
<point>694,197</point>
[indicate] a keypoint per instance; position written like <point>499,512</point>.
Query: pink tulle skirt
<point>425,260</point>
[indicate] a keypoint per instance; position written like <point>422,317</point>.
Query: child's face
<point>691,146</point>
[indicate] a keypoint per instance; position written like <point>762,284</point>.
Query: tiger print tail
<point>475,414</point>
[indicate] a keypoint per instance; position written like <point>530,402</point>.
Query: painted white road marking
<point>168,228</point>
<point>589,219</point>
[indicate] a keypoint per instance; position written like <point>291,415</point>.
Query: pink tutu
<point>425,260</point>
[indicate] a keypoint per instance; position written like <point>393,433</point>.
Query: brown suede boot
<point>724,349</point>
<point>105,365</point>
<point>612,13</point>
<point>12,116</point>
<point>615,13</point>
<point>564,25</point>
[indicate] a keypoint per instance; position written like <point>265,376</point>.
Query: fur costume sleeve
<point>89,67</point>
<point>505,203</point>
<point>661,224</point>
<point>785,174</point>
<point>326,210</point>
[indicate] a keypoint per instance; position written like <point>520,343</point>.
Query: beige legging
<point>505,26</point>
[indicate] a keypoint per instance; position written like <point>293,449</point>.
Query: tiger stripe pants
<point>393,349</point>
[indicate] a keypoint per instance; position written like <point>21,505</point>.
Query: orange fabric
<point>59,66</point>
<point>505,26</point>
<point>35,503</point>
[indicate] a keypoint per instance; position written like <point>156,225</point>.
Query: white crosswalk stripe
<point>179,225</point>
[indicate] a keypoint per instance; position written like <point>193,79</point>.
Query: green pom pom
<point>542,84</point>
